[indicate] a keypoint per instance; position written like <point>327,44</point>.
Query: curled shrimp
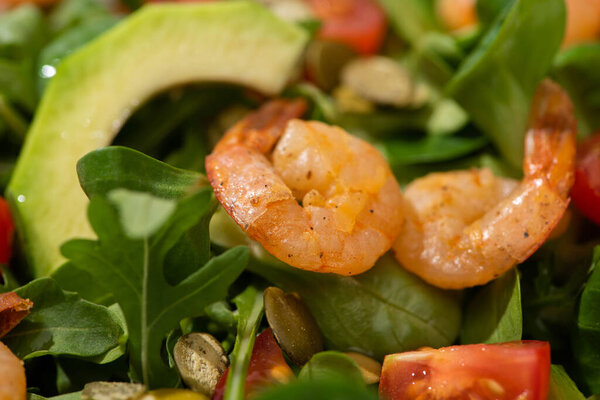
<point>314,196</point>
<point>465,228</point>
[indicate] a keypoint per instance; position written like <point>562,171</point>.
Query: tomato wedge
<point>514,370</point>
<point>7,230</point>
<point>360,24</point>
<point>586,189</point>
<point>267,367</point>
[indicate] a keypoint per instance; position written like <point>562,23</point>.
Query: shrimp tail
<point>261,129</point>
<point>550,143</point>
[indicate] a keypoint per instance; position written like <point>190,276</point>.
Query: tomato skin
<point>484,371</point>
<point>7,230</point>
<point>360,24</point>
<point>586,189</point>
<point>267,367</point>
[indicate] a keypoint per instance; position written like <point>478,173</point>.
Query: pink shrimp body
<point>321,200</point>
<point>465,228</point>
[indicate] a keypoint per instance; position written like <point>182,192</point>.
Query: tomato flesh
<point>360,24</point>
<point>267,367</point>
<point>7,230</point>
<point>586,189</point>
<point>515,370</point>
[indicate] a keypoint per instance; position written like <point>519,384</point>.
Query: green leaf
<point>410,19</point>
<point>22,32</point>
<point>103,170</point>
<point>496,83</point>
<point>382,311</point>
<point>318,390</point>
<point>133,270</point>
<point>332,365</point>
<point>494,314</point>
<point>73,13</point>
<point>561,386</point>
<point>577,70</point>
<point>400,152</point>
<point>587,336</point>
<point>141,213</point>
<point>489,10</point>
<point>250,310</point>
<point>74,279</point>
<point>61,323</point>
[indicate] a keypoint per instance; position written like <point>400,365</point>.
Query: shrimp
<point>12,376</point>
<point>465,228</point>
<point>314,196</point>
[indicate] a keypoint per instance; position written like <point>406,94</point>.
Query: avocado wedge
<point>97,88</point>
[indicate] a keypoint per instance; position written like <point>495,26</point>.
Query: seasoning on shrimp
<point>314,196</point>
<point>465,228</point>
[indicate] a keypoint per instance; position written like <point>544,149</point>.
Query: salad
<point>350,199</point>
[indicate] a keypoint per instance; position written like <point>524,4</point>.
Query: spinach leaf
<point>587,336</point>
<point>318,390</point>
<point>384,310</point>
<point>331,365</point>
<point>497,81</point>
<point>494,314</point>
<point>132,268</point>
<point>577,70</point>
<point>561,386</point>
<point>61,323</point>
<point>108,168</point>
<point>250,309</point>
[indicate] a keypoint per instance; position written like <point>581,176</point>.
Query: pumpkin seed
<point>112,391</point>
<point>380,79</point>
<point>201,361</point>
<point>369,368</point>
<point>293,325</point>
<point>173,394</point>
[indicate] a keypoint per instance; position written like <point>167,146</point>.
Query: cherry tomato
<point>361,24</point>
<point>267,367</point>
<point>7,230</point>
<point>583,21</point>
<point>586,190</point>
<point>515,370</point>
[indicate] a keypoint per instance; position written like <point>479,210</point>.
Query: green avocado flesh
<point>97,88</point>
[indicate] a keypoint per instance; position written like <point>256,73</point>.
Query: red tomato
<point>7,230</point>
<point>267,367</point>
<point>586,190</point>
<point>360,24</point>
<point>515,370</point>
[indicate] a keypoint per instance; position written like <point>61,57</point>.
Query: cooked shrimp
<point>12,376</point>
<point>466,228</point>
<point>320,200</point>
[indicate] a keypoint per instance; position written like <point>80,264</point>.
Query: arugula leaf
<point>489,10</point>
<point>561,385</point>
<point>587,336</point>
<point>494,315</point>
<point>250,309</point>
<point>318,390</point>
<point>497,81</point>
<point>22,32</point>
<point>74,279</point>
<point>332,365</point>
<point>577,70</point>
<point>133,270</point>
<point>73,13</point>
<point>61,323</point>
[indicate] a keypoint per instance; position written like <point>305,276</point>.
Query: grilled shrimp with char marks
<point>465,228</point>
<point>314,196</point>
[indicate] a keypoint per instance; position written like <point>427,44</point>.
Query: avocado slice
<point>96,88</point>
